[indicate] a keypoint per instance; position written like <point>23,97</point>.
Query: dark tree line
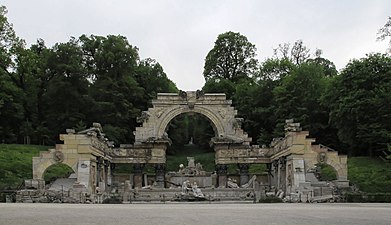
<point>44,90</point>
<point>348,110</point>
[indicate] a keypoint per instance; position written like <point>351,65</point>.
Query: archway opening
<point>326,172</point>
<point>56,171</point>
<point>190,134</point>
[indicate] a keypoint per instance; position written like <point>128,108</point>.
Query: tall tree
<point>385,33</point>
<point>151,76</point>
<point>232,57</point>
<point>64,101</point>
<point>112,63</point>
<point>11,96</point>
<point>359,99</point>
<point>297,54</point>
<point>299,97</point>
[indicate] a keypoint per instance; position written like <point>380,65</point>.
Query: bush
<point>112,200</point>
<point>270,199</point>
<point>368,197</point>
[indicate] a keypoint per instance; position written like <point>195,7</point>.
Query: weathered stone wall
<point>80,152</point>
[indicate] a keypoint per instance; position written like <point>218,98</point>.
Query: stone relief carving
<point>159,113</point>
<point>144,117</point>
<point>222,113</point>
<point>58,156</point>
<point>322,157</point>
<point>237,123</point>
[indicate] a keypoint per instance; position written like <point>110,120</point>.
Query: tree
<point>275,69</point>
<point>65,100</point>
<point>117,98</point>
<point>11,96</point>
<point>232,57</point>
<point>385,32</point>
<point>327,66</point>
<point>298,54</point>
<point>151,76</point>
<point>359,100</point>
<point>299,97</point>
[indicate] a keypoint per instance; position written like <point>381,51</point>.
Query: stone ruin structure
<point>291,160</point>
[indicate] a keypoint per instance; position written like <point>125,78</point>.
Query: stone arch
<point>167,106</point>
<point>69,170</point>
<point>176,111</point>
<point>41,164</point>
<point>331,158</point>
<point>339,169</point>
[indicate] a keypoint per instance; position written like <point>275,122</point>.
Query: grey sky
<point>180,33</point>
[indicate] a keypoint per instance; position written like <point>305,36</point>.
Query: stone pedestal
<point>222,175</point>
<point>243,171</point>
<point>160,170</point>
<point>138,175</point>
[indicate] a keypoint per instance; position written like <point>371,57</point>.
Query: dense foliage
<point>44,90</point>
<point>348,111</point>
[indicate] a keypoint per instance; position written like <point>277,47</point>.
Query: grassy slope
<point>16,163</point>
<point>370,175</point>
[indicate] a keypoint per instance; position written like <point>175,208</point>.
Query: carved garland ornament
<point>58,156</point>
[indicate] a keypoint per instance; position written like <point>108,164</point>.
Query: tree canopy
<point>232,57</point>
<point>44,90</point>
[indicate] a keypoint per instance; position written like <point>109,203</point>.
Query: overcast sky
<point>180,33</point>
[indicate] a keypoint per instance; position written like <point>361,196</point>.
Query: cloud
<point>179,34</point>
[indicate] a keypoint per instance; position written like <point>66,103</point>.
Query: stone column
<point>109,173</point>
<point>269,174</point>
<point>138,169</point>
<point>283,174</point>
<point>222,175</point>
<point>243,172</point>
<point>278,174</point>
<point>160,171</point>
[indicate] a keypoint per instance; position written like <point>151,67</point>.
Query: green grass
<point>370,174</point>
<point>16,163</point>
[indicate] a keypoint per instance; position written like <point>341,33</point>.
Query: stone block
<point>71,142</point>
<point>84,149</point>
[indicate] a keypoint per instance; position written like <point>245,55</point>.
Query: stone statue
<point>250,183</point>
<point>199,94</point>
<point>181,169</point>
<point>232,183</point>
<point>186,187</point>
<point>196,191</point>
<point>191,141</point>
<point>182,94</point>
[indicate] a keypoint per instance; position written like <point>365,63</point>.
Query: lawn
<point>16,163</point>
